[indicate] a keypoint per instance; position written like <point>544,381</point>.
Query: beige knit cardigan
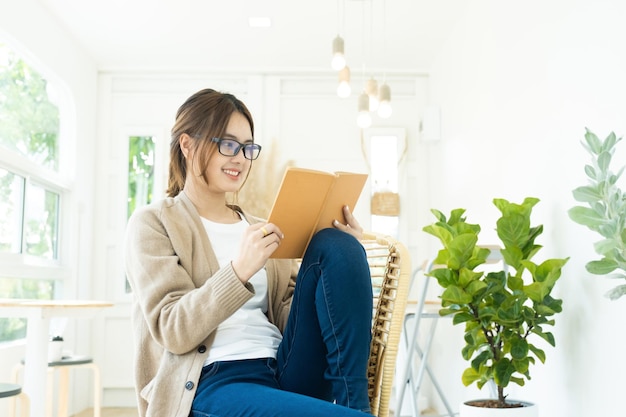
<point>180,296</point>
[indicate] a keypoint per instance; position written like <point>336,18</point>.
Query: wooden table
<point>38,314</point>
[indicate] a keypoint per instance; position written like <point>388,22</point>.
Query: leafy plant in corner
<point>605,212</point>
<point>501,310</point>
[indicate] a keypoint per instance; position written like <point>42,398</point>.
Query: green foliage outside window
<point>29,121</point>
<point>14,328</point>
<point>29,127</point>
<point>140,171</point>
<point>40,228</point>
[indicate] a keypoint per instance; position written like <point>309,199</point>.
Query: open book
<point>309,201</point>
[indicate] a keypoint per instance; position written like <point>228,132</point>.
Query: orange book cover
<point>307,202</point>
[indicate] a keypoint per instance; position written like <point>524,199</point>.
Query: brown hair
<point>203,116</point>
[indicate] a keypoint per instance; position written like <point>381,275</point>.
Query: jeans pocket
<point>209,371</point>
<point>272,365</point>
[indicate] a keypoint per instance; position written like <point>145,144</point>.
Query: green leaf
<point>515,283</point>
<point>587,194</point>
<point>461,249</point>
<point>481,359</point>
<point>439,215</point>
<point>470,375</point>
<point>456,295</point>
<point>591,172</point>
<point>519,348</point>
<point>586,216</point>
<point>486,314</point>
<point>456,216</point>
<point>439,232</point>
<point>540,354</point>
<point>513,229</point>
<point>467,276</point>
<point>512,256</point>
<point>536,291</point>
<point>617,292</point>
<point>601,267</point>
<point>475,287</point>
<point>605,246</point>
<point>447,311</point>
<point>604,160</point>
<point>462,317</point>
<point>503,369</point>
<point>593,142</point>
<point>609,142</point>
<point>445,277</point>
<point>547,336</point>
<point>521,365</point>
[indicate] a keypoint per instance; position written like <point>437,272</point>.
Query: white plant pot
<point>529,410</point>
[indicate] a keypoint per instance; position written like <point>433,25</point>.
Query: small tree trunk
<point>501,397</point>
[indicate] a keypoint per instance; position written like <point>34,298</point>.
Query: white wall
<point>517,83</point>
<point>28,28</point>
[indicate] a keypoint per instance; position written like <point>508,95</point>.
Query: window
<point>140,171</point>
<point>31,190</point>
<point>386,151</point>
<point>141,150</point>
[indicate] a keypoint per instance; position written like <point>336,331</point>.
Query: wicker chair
<point>390,267</point>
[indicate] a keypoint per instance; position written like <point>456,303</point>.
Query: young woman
<point>221,329</point>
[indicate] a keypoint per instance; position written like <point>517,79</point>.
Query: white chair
<point>422,309</point>
<point>63,367</point>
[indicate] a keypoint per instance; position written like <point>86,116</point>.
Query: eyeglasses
<point>230,147</point>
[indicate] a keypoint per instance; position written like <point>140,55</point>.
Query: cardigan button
<point>202,349</point>
<point>189,385</point>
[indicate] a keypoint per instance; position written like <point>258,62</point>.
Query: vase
<point>55,349</point>
<point>528,410</point>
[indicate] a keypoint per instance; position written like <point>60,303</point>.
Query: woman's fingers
<point>352,225</point>
<point>268,229</point>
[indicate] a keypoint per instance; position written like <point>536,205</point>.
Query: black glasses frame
<point>251,151</point>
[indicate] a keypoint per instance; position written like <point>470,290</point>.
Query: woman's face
<point>228,173</point>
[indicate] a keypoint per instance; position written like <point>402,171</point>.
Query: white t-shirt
<point>247,334</point>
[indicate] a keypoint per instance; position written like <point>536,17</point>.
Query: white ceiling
<point>212,34</point>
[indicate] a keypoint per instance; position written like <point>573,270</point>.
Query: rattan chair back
<point>390,267</point>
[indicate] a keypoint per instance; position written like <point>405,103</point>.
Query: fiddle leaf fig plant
<point>605,210</point>
<point>502,311</point>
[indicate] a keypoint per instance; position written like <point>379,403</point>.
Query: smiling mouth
<point>231,172</point>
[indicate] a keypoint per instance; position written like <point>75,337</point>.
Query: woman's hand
<point>352,226</point>
<point>259,241</point>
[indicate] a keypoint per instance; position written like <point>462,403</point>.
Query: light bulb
<point>343,89</point>
<point>372,91</point>
<point>374,103</point>
<point>384,97</point>
<point>363,118</point>
<point>339,60</point>
<point>384,109</point>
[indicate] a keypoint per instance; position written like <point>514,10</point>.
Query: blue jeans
<point>321,364</point>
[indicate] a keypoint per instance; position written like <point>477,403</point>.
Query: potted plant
<point>605,210</point>
<point>502,310</point>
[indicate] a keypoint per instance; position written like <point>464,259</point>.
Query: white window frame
<point>21,265</point>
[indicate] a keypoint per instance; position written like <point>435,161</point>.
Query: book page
<point>309,201</point>
<point>345,191</point>
<point>297,206</point>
